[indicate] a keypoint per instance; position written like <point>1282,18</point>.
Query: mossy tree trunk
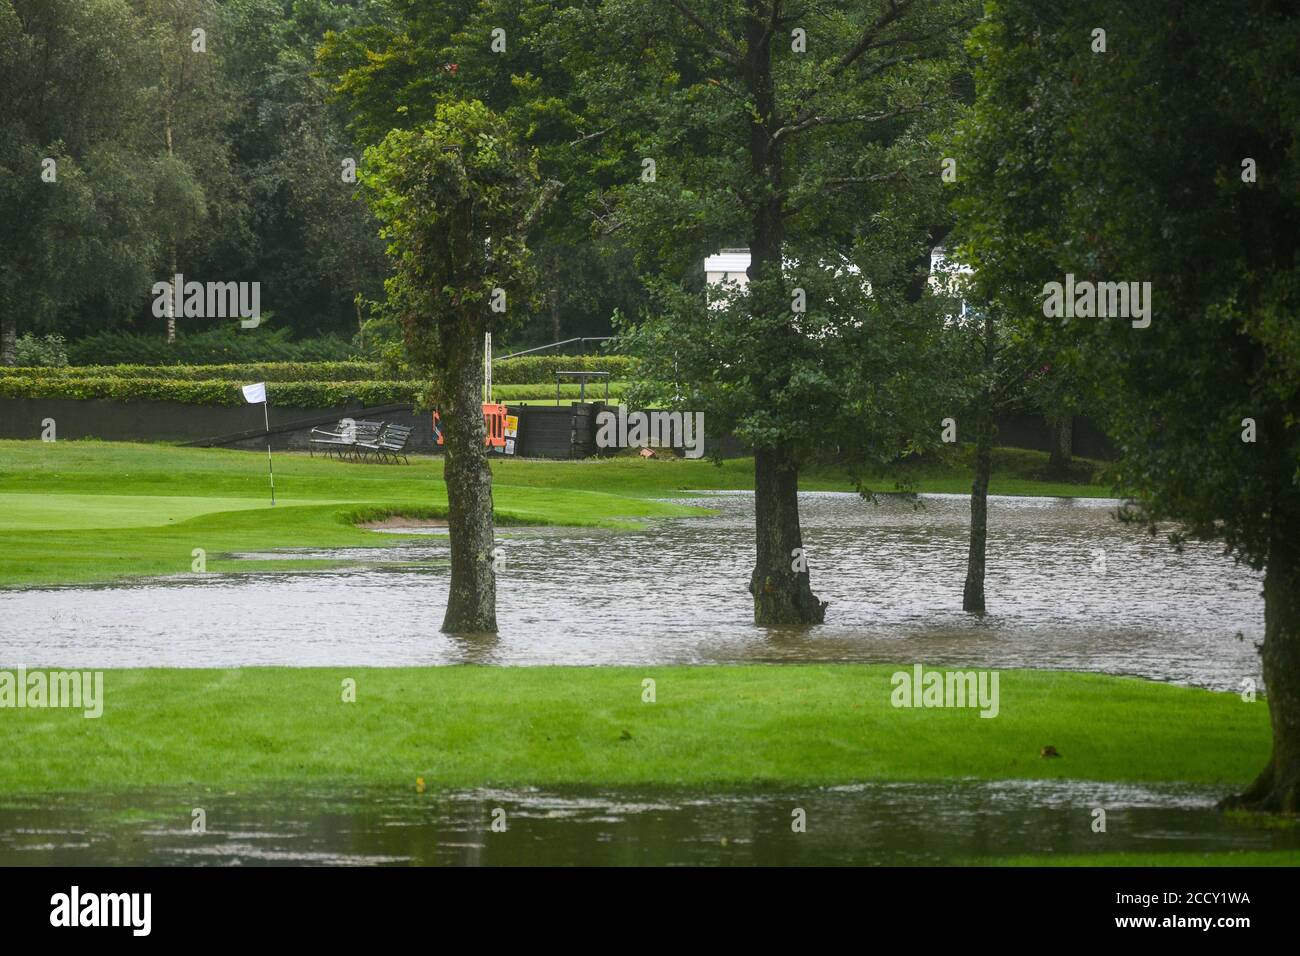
<point>471,602</point>
<point>780,584</point>
<point>973,592</point>
<point>1277,788</point>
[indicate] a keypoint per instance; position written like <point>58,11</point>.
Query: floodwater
<point>1068,587</point>
<point>864,824</point>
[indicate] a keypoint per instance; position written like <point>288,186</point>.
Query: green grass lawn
<point>89,511</point>
<point>721,726</point>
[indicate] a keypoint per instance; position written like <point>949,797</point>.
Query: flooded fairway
<point>868,824</point>
<point>1068,587</point>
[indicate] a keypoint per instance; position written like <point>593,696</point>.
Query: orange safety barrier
<point>494,419</point>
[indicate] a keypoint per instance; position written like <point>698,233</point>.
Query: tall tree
<point>511,55</point>
<point>1161,144</point>
<point>191,101</point>
<point>456,198</point>
<point>800,130</point>
<point>75,187</point>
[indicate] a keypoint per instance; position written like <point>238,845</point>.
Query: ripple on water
<point>676,592</point>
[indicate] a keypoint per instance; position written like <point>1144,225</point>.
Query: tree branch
<point>879,117</point>
<point>728,50</point>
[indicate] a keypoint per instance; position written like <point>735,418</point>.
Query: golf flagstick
<point>254,394</point>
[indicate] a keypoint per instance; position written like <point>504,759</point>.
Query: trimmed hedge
<point>225,344</point>
<point>209,392</point>
<point>283,394</point>
<point>541,369</point>
<point>260,372</point>
<point>530,370</point>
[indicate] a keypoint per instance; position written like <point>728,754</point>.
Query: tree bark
<point>782,594</point>
<point>471,603</point>
<point>1277,788</point>
<point>972,598</point>
<point>781,584</point>
<point>1061,459</point>
<point>8,339</point>
<point>176,293</point>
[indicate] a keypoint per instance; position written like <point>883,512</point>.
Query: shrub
<point>224,345</point>
<point>541,369</point>
<point>255,372</point>
<point>49,351</point>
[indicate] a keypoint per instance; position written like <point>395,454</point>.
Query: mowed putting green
<point>47,512</point>
<point>91,511</point>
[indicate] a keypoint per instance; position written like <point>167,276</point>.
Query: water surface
<point>1068,587</point>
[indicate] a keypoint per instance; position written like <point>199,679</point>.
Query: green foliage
<point>222,345</point>
<point>49,351</point>
<point>541,369</point>
<point>297,394</point>
<point>822,164</point>
<point>456,198</point>
<point>1128,166</point>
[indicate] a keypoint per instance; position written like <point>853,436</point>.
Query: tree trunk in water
<point>472,601</point>
<point>1277,788</point>
<point>8,339</point>
<point>781,584</point>
<point>1062,457</point>
<point>972,598</point>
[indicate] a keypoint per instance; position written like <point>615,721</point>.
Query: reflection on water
<point>676,593</point>
<point>867,824</point>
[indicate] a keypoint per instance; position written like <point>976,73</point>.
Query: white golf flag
<point>255,393</point>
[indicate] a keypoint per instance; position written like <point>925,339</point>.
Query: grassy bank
<point>709,726</point>
<point>84,511</point>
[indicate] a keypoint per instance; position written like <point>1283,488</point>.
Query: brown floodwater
<point>1068,587</point>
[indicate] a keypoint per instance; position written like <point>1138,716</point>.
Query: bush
<point>541,369</point>
<point>56,383</point>
<point>49,351</point>
<point>208,391</point>
<point>225,345</point>
<point>263,372</point>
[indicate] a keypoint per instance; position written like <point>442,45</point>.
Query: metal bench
<point>389,445</point>
<point>343,439</point>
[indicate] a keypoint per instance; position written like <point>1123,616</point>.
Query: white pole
<point>266,416</point>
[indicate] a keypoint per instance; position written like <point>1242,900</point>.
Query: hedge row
<point>541,369</point>
<point>530,370</point>
<point>283,394</point>
<point>251,372</point>
<point>227,343</point>
<point>208,392</point>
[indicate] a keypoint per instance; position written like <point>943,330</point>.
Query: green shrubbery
<point>227,344</point>
<point>49,383</point>
<point>207,392</point>
<point>48,351</point>
<point>248,372</point>
<point>295,384</point>
<point>541,369</point>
